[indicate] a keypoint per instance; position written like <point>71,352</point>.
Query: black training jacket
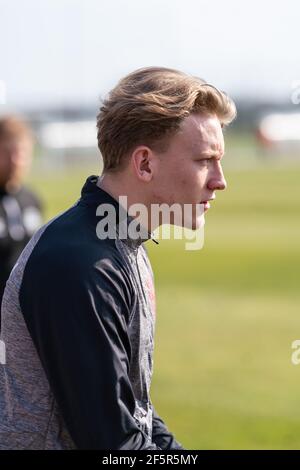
<point>78,319</point>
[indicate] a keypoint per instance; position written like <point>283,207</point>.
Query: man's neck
<point>118,188</point>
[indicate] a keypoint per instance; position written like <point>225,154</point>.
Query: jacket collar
<point>92,194</point>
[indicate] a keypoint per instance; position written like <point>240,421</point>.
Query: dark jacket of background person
<point>20,217</point>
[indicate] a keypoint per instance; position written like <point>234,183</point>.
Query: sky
<point>74,51</point>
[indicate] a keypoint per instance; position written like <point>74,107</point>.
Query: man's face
<point>15,159</point>
<point>190,171</point>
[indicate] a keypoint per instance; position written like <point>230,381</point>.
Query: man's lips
<point>206,204</point>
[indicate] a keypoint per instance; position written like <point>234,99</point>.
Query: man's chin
<point>197,225</point>
<point>194,224</point>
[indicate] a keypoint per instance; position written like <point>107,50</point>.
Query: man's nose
<point>217,180</point>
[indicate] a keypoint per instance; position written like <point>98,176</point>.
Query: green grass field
<point>226,314</point>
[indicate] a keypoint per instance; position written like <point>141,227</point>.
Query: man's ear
<point>142,160</point>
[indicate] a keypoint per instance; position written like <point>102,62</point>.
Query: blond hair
<point>147,107</point>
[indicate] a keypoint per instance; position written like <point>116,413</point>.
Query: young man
<point>20,209</point>
<point>79,310</point>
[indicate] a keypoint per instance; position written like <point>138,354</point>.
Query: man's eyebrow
<point>217,156</point>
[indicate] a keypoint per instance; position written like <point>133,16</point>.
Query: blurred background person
<point>20,208</point>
